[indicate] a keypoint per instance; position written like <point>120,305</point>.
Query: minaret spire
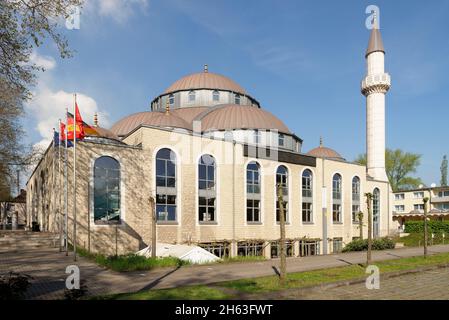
<point>374,87</point>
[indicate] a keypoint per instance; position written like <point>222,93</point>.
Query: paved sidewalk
<point>47,266</point>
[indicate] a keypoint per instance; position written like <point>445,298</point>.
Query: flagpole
<point>53,179</point>
<point>59,188</point>
<point>74,179</point>
<point>66,198</point>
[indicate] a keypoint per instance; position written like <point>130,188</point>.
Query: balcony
<point>440,199</point>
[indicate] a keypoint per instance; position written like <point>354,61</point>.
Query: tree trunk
<point>361,225</point>
<point>153,227</point>
<point>283,267</point>
<point>369,198</point>
<point>425,227</point>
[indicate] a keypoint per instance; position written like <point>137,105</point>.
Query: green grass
<point>417,239</point>
<point>183,293</point>
<point>242,259</point>
<point>271,283</point>
<point>131,262</point>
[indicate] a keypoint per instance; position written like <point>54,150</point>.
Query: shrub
<point>14,286</point>
<point>362,245</point>
<point>432,225</point>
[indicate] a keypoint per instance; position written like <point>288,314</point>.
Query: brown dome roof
<point>152,118</point>
<point>205,80</point>
<point>324,152</point>
<point>232,116</point>
<point>103,133</point>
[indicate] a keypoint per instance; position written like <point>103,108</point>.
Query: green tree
<point>399,165</point>
<point>443,169</point>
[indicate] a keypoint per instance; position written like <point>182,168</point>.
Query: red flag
<point>62,131</point>
<point>78,124</point>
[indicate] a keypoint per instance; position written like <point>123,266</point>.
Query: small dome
<point>232,116</point>
<point>152,118</point>
<point>324,152</point>
<point>205,80</point>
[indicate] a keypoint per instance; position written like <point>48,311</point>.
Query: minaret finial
<point>96,119</point>
<point>321,141</point>
<point>206,68</point>
<point>167,106</point>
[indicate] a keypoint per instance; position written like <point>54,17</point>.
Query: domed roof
<point>152,118</point>
<point>324,152</point>
<point>233,116</point>
<point>205,80</point>
<point>102,133</point>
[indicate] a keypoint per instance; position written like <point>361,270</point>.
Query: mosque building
<point>207,159</point>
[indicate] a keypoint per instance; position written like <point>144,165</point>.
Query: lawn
<point>271,283</point>
<point>417,239</point>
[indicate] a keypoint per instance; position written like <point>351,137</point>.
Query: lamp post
<point>425,200</point>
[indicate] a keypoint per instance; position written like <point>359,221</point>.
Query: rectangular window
<point>166,207</point>
<point>399,196</point>
<point>336,213</point>
<point>418,206</point>
<point>252,210</point>
<point>220,249</point>
<point>206,209</point>
<point>337,245</point>
<point>309,248</point>
<point>281,140</point>
<point>248,248</point>
<point>443,193</point>
<point>307,212</point>
<point>418,195</point>
<point>355,213</point>
<point>275,248</point>
<point>399,208</point>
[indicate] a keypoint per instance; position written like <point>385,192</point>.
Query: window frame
<point>166,191</point>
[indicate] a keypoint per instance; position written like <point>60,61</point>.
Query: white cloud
<point>46,62</point>
<point>48,105</point>
<point>119,10</point>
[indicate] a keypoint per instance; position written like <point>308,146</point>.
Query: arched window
<point>253,192</point>
<point>166,185</point>
<point>237,99</point>
<point>376,212</point>
<point>355,199</point>
<point>207,195</point>
<point>282,179</point>
<point>307,196</point>
<point>171,99</point>
<point>192,96</point>
<point>106,191</point>
<point>216,95</point>
<point>336,199</point>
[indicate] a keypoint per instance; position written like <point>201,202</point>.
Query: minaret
<point>374,87</point>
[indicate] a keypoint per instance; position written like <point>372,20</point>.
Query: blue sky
<point>302,60</point>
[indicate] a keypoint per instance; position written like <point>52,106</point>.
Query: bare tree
<point>283,267</point>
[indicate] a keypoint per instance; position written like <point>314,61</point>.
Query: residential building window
<point>355,198</point>
<point>399,196</point>
<point>216,95</point>
<point>443,193</point>
<point>166,185</point>
<point>250,248</point>
<point>336,199</point>
<point>106,191</point>
<point>206,189</point>
<point>171,99</point>
<point>275,247</point>
<point>282,179</point>
<point>280,139</point>
<point>419,206</point>
<point>307,196</point>
<point>418,195</point>
<point>192,96</point>
<point>237,99</point>
<point>399,208</point>
<point>337,245</point>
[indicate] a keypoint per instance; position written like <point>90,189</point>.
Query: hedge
<point>362,245</point>
<point>432,225</point>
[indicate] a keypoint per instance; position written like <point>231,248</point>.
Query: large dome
<point>151,118</point>
<point>232,116</point>
<point>205,80</point>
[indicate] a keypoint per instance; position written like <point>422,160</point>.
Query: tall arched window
<point>106,191</point>
<point>307,196</point>
<point>166,185</point>
<point>215,95</point>
<point>237,99</point>
<point>192,96</point>
<point>336,199</point>
<point>282,179</point>
<point>376,212</point>
<point>355,199</point>
<point>207,193</point>
<point>253,184</point>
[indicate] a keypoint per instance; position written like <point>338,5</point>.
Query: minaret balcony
<point>376,83</point>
